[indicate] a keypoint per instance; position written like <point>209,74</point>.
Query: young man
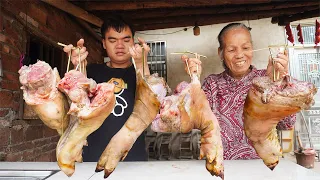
<point>118,41</point>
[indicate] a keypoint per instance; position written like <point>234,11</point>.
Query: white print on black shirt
<point>122,106</point>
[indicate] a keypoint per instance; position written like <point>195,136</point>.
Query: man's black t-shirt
<point>99,139</point>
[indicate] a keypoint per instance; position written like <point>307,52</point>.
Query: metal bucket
<point>306,158</point>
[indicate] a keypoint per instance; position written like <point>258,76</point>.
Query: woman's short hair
<point>229,27</point>
<point>221,40</point>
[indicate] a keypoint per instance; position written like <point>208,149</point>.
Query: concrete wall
<point>263,34</point>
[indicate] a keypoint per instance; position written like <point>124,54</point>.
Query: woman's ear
<point>220,51</point>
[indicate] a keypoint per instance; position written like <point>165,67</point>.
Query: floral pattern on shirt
<point>226,97</point>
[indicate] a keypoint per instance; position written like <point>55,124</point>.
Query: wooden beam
<point>86,26</point>
<point>206,20</point>
<point>121,5</point>
<point>75,11</point>
<point>151,13</point>
<point>284,20</point>
<point>244,16</point>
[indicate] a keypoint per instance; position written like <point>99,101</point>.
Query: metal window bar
<point>310,134</point>
<point>308,33</point>
<point>157,58</point>
<point>310,67</point>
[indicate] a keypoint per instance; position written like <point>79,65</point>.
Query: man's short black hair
<point>117,23</point>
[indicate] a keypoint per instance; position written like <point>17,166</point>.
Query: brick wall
<point>30,140</point>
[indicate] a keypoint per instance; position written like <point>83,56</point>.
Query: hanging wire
<point>184,29</point>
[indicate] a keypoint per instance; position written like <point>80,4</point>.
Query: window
<point>305,65</point>
<point>39,50</point>
<point>307,33</point>
<point>157,58</point>
<point>305,62</point>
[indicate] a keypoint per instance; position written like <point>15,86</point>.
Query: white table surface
<point>176,170</point>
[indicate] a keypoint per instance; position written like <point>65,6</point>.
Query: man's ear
<point>103,44</point>
<point>219,51</point>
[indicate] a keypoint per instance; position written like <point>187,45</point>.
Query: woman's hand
<point>75,53</point>
<point>281,65</point>
<point>192,65</point>
<point>136,53</point>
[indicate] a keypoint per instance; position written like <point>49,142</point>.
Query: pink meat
<point>39,83</point>
<point>91,104</point>
<point>189,109</point>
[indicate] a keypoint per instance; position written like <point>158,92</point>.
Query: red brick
<point>4,136</point>
<point>10,63</point>
<point>6,122</point>
<point>15,47</point>
<point>6,99</point>
<point>2,37</point>
<point>48,132</point>
<point>11,76</point>
<point>41,142</point>
<point>15,106</point>
<point>12,32</point>
<point>55,139</point>
<point>20,147</point>
<point>37,151</point>
<point>17,134</point>
<point>49,147</point>
<point>37,13</point>
<point>33,132</point>
<point>4,112</point>
<point>14,157</point>
<point>16,96</point>
<point>34,122</point>
<point>1,23</point>
<point>29,159</point>
<point>51,33</point>
<point>53,155</point>
<point>2,156</point>
<point>28,154</point>
<point>10,85</point>
<point>45,157</point>
<point>9,50</point>
<point>5,49</point>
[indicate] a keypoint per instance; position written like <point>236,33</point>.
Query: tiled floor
<point>291,157</point>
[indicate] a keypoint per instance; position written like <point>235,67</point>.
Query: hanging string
<point>184,29</point>
<point>69,59</point>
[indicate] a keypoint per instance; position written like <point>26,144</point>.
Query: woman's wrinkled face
<point>237,51</point>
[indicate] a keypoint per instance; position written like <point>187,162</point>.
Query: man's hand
<point>136,53</point>
<point>281,65</point>
<point>75,52</point>
<point>194,65</point>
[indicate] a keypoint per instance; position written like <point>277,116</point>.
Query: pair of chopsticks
<point>81,65</point>
<point>285,45</point>
<point>189,52</point>
<point>276,74</point>
<point>198,56</point>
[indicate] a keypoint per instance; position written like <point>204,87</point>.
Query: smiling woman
<point>227,91</point>
<point>236,49</point>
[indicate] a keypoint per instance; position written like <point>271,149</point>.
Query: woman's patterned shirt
<point>226,97</point>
